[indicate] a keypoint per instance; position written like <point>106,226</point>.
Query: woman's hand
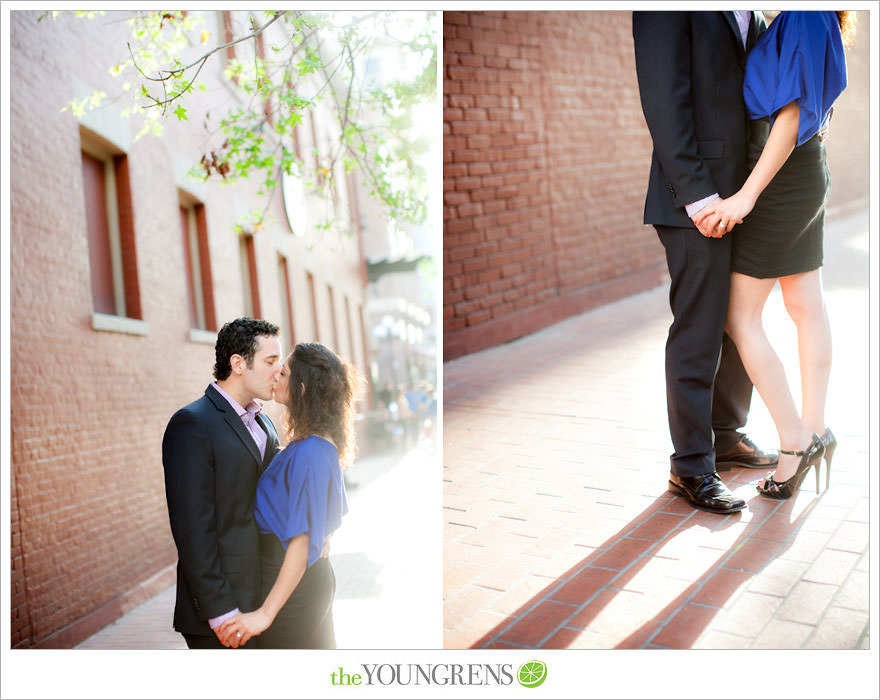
<point>721,215</point>
<point>239,628</point>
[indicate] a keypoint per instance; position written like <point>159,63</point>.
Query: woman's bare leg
<point>805,304</point>
<point>744,325</point>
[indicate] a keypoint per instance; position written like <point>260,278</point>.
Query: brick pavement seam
<point>837,593</point>
<point>547,597</point>
<point>597,554</point>
<point>688,599</point>
<point>781,547</point>
<point>721,564</point>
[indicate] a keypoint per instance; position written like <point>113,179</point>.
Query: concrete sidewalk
<point>560,531</point>
<point>383,571</point>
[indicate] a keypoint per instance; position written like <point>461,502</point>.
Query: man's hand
<point>722,215</point>
<point>238,630</point>
<point>708,221</point>
<point>325,552</point>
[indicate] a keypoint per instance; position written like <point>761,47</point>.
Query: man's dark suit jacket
<point>211,467</point>
<point>690,69</point>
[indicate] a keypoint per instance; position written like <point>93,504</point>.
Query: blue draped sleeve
<point>302,491</point>
<point>799,58</point>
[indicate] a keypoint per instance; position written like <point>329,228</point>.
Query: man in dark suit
<point>213,451</point>
<point>690,71</point>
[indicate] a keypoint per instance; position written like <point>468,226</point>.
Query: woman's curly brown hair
<point>847,21</point>
<point>326,405</point>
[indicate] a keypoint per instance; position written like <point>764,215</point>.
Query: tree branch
<point>171,73</point>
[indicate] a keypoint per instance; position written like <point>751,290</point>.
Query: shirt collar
<point>253,408</point>
<point>743,19</point>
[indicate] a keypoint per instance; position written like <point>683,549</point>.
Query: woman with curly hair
<point>300,502</point>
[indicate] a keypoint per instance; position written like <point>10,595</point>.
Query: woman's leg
<point>744,325</point>
<point>802,294</point>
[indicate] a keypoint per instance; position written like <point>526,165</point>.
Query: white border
<point>619,674</point>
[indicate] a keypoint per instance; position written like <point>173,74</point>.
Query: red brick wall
<point>546,157</point>
<point>89,526</point>
<point>88,409</point>
<point>544,172</point>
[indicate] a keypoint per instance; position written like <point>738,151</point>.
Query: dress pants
<point>708,391</point>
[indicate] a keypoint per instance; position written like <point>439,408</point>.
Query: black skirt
<point>306,620</point>
<point>782,235</point>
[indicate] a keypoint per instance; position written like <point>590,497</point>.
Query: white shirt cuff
<point>694,207</point>
<point>215,622</point>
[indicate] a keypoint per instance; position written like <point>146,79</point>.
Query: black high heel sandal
<point>810,457</point>
<point>830,443</point>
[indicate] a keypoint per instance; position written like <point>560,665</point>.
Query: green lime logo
<point>531,674</point>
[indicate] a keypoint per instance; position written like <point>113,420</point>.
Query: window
<point>367,362</point>
<point>261,54</point>
<point>199,286</point>
<point>250,288</point>
<point>287,334</point>
<point>351,356</point>
<point>333,318</point>
<point>316,154</point>
<point>297,147</point>
<point>353,209</point>
<point>293,188</point>
<point>228,36</point>
<point>311,282</point>
<point>111,235</point>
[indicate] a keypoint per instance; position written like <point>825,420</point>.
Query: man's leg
<point>201,641</point>
<point>699,269</point>
<point>731,398</point>
<point>730,410</point>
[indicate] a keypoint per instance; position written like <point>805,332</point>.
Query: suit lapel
<point>238,426</point>
<point>757,25</point>
<point>235,422</point>
<point>271,439</point>
<point>730,17</point>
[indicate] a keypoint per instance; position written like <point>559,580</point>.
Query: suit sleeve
<point>187,457</point>
<point>662,42</point>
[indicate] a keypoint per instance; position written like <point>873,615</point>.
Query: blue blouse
<point>302,491</point>
<point>798,59</point>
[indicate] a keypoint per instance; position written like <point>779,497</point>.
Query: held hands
<point>721,215</point>
<point>238,629</point>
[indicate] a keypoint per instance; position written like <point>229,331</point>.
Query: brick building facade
<point>103,352</point>
<point>546,159</point>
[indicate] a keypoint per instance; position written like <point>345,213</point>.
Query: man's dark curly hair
<point>326,407</point>
<point>239,337</point>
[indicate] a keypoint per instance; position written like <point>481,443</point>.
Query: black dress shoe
<point>745,453</point>
<point>706,492</point>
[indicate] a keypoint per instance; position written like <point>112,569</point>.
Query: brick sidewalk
<point>560,532</point>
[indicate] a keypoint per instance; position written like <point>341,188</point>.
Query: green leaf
<point>373,128</point>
